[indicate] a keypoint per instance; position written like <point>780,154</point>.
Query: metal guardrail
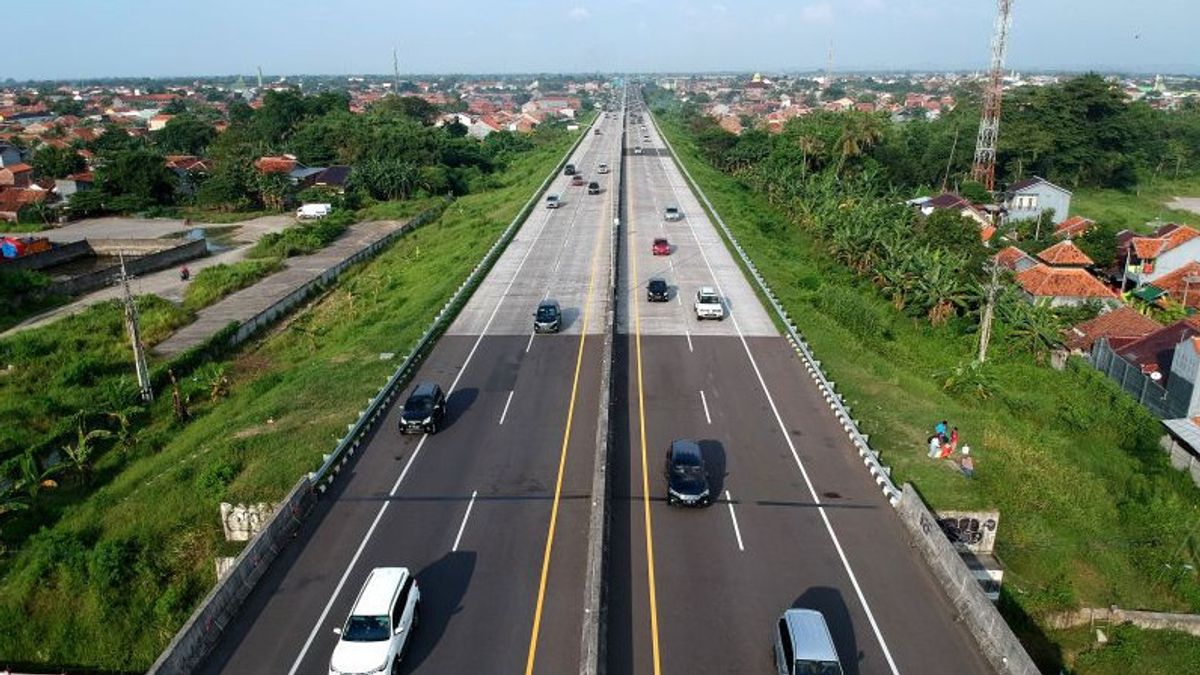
<point>378,403</point>
<point>880,473</point>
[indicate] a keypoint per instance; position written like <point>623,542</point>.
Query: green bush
<point>303,239</point>
<point>213,283</point>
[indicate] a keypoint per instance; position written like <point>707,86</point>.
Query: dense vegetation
<point>1091,512</point>
<point>395,151</point>
<point>100,566</point>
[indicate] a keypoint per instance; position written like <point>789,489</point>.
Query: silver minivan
<point>803,645</point>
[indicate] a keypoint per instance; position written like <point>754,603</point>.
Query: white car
<point>602,168</point>
<point>378,630</point>
<point>708,304</point>
<point>552,201</point>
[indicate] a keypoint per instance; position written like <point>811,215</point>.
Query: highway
<point>799,521</point>
<point>491,512</point>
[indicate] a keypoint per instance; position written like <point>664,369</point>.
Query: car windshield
<point>707,299</point>
<point>658,285</point>
<point>817,668</point>
<point>546,313</point>
<point>366,629</point>
<point>418,405</point>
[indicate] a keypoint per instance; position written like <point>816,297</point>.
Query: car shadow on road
<point>829,602</point>
<point>569,316</point>
<point>443,584</point>
<point>714,463</point>
<point>459,403</point>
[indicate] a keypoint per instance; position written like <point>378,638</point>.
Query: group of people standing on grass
<point>944,443</point>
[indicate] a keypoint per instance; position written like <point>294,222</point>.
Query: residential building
<point>1075,226</point>
<point>1160,369</point>
<point>1028,199</point>
<point>16,175</point>
<point>1167,249</point>
<point>1120,327</point>
<point>1065,254</point>
<point>9,154</point>
<point>1064,286</point>
<point>79,182</point>
<point>1015,259</point>
<point>1181,286</point>
<point>333,178</point>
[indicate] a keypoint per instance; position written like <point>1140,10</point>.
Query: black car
<point>687,477</point>
<point>657,290</point>
<point>593,188</point>
<point>424,410</point>
<point>548,317</point>
<point>569,170</point>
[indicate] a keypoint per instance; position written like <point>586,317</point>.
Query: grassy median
<point>1091,512</point>
<point>114,575</point>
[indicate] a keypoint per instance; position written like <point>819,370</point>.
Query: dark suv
<point>569,170</point>
<point>424,410</point>
<point>548,317</point>
<point>657,290</point>
<point>687,477</point>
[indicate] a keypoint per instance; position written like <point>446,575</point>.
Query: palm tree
<point>940,288</point>
<point>859,132</point>
<point>1034,328</point>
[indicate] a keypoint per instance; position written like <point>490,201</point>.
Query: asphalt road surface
<point>471,508</point>
<point>798,522</point>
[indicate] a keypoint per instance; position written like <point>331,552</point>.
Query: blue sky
<point>96,38</point>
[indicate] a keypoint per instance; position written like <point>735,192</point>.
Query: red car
<point>577,180</point>
<point>661,247</point>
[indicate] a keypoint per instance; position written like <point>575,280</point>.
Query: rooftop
<point>1043,281</point>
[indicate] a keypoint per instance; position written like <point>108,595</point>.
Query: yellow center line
<point>562,460</point>
<point>637,337</point>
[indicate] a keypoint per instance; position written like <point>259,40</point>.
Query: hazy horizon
<point>356,37</point>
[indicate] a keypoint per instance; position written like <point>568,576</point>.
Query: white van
<point>313,211</point>
<point>803,645</point>
<point>382,619</point>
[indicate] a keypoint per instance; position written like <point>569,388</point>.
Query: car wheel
<point>396,661</point>
<point>416,615</point>
<point>431,428</point>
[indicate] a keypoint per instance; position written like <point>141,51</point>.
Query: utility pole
<point>260,78</point>
<point>984,168</point>
<point>135,335</point>
<point>985,325</point>
<point>950,160</point>
<point>829,66</point>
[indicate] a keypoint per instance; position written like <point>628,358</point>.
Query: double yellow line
<point>562,459</point>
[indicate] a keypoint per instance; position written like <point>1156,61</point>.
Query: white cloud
<point>821,12</point>
<point>579,14</point>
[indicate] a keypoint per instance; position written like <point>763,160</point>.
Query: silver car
<point>803,645</point>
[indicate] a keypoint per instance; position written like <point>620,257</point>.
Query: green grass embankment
<point>1091,511</point>
<point>116,572</point>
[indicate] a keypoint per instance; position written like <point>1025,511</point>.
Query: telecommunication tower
<point>984,168</point>
<point>395,72</point>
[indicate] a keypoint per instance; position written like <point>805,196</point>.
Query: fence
<point>200,633</point>
<point>1150,394</point>
<point>870,457</point>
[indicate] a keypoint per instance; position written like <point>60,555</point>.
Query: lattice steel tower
<point>984,167</point>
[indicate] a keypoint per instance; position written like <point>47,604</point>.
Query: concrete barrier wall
<point>996,640</point>
<point>134,247</point>
<point>1184,623</point>
<point>201,632</point>
<point>61,253</point>
<point>138,266</point>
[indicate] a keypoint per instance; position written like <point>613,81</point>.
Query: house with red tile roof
<point>1160,369</point>
<point>12,200</point>
<point>1120,327</point>
<point>158,122</point>
<point>16,175</point>
<point>279,164</point>
<point>1015,259</point>
<point>1181,286</point>
<point>1168,248</point>
<point>1075,226</point>
<point>1064,286</point>
<point>1065,254</point>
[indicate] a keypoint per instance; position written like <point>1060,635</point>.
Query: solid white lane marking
<point>704,401</point>
<point>466,515</point>
<point>791,446</point>
<point>362,545</point>
<point>689,339</point>
<point>505,413</point>
<point>453,385</point>
<point>737,531</point>
<point>530,343</point>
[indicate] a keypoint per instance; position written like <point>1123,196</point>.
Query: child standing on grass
<point>954,439</point>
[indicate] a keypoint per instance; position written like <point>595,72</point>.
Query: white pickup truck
<point>708,304</point>
<point>313,211</point>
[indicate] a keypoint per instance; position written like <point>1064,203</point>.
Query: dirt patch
<point>250,365</point>
<point>1185,204</point>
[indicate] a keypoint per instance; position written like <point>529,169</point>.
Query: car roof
<point>660,239</point>
<point>425,389</point>
<point>375,598</point>
<point>684,446</point>
<point>708,290</point>
<point>548,302</point>
<point>657,280</point>
<point>810,635</point>
<point>672,207</point>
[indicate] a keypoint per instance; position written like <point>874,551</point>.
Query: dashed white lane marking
<point>689,339</point>
<point>466,515</point>
<point>704,402</point>
<point>737,531</point>
<point>530,343</point>
<point>505,413</point>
